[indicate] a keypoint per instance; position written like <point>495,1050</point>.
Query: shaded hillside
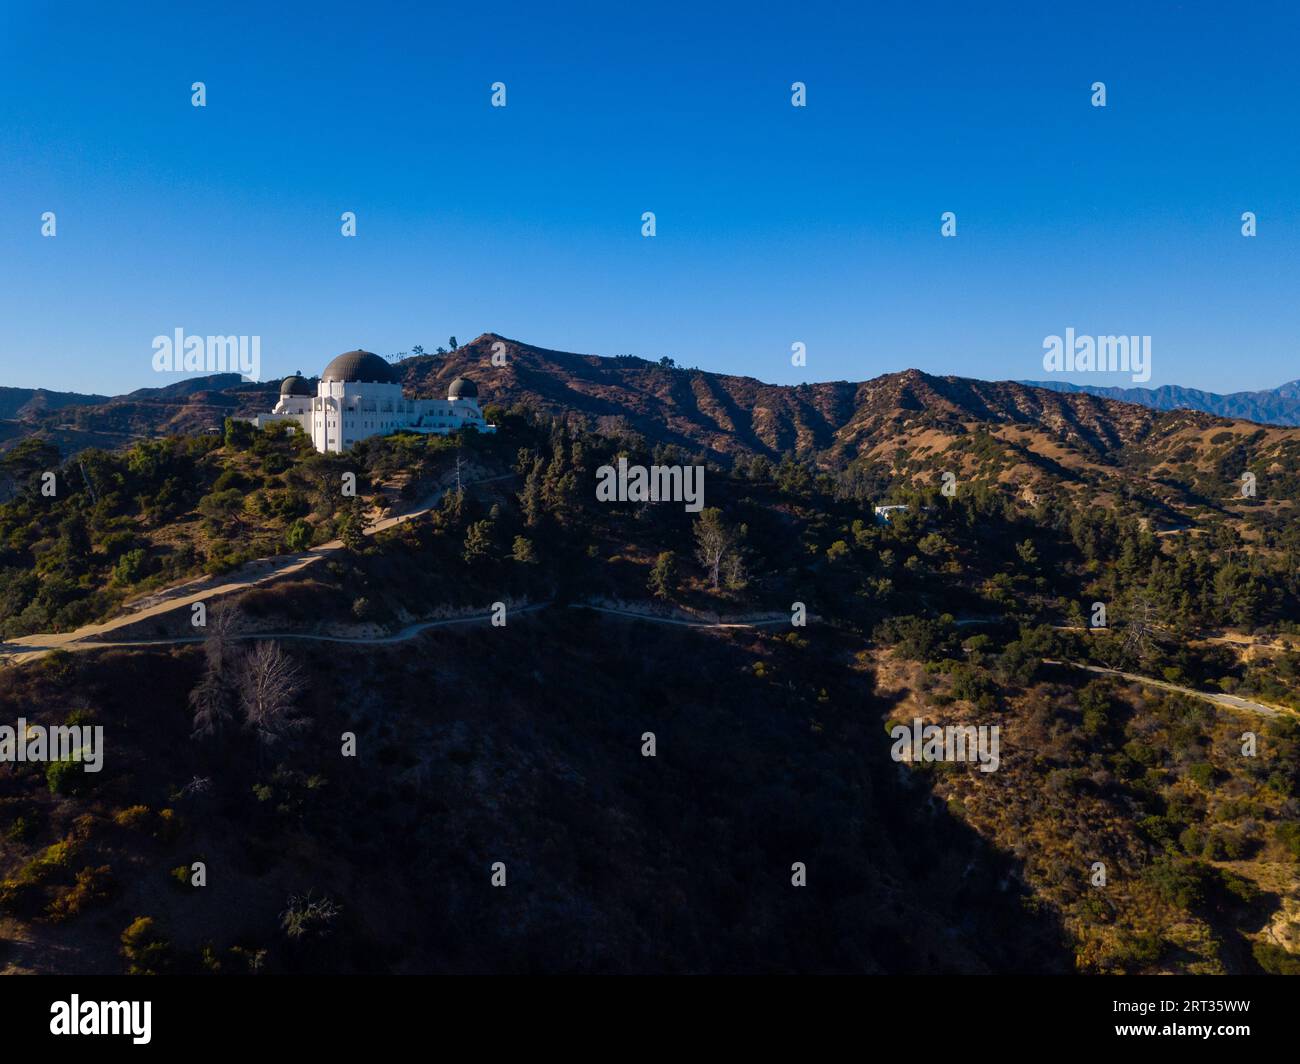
<point>615,862</point>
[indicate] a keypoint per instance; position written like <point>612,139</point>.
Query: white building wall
<point>344,412</point>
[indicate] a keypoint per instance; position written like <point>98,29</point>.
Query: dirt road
<point>205,590</point>
<point>1217,697</point>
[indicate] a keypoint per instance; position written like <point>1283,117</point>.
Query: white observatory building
<point>359,395</point>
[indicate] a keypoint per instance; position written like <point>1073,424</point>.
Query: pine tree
<point>478,542</point>
<point>523,551</point>
<point>530,497</point>
<point>352,532</point>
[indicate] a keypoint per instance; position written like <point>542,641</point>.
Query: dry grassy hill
<point>901,425</point>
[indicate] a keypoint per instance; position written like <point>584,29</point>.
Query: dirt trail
<point>179,596</point>
<point>31,647</point>
<point>410,631</point>
<point>684,622</point>
<point>1217,697</point>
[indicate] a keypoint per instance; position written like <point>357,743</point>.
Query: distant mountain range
<point>16,403</point>
<point>1276,406</point>
<point>75,422</point>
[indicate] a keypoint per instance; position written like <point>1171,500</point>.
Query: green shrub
<point>1288,834</point>
<point>21,830</point>
<point>1179,882</point>
<point>1134,952</point>
<point>1192,841</point>
<point>135,816</point>
<point>21,893</point>
<point>232,478</point>
<point>1275,960</point>
<point>131,567</point>
<point>67,777</point>
<point>145,949</point>
<point>94,886</point>
<point>298,537</point>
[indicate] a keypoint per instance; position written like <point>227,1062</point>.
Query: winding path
<point>28,647</point>
<point>1216,697</point>
<point>402,635</point>
<point>683,622</point>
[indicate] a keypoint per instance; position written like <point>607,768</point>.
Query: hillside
<point>75,422</point>
<point>1182,472</point>
<point>910,426</point>
<point>523,743</point>
<point>28,403</point>
<point>907,426</point>
<point>728,415</point>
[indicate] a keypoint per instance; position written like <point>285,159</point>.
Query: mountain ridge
<point>714,391</point>
<point>908,422</point>
<point>834,423</point>
<point>1271,406</point>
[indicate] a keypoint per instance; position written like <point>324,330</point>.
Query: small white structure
<point>884,514</point>
<point>358,395</point>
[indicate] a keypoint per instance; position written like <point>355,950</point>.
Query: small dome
<point>295,385</point>
<point>462,388</point>
<point>360,367</point>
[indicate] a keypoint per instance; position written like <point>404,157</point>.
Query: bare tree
<point>1142,623</point>
<point>214,697</point>
<point>309,916</point>
<point>269,683</point>
<point>199,785</point>
<point>225,623</point>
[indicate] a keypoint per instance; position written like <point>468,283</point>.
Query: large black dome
<point>462,388</point>
<point>360,367</point>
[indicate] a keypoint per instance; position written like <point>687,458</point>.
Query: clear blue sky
<point>775,224</point>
